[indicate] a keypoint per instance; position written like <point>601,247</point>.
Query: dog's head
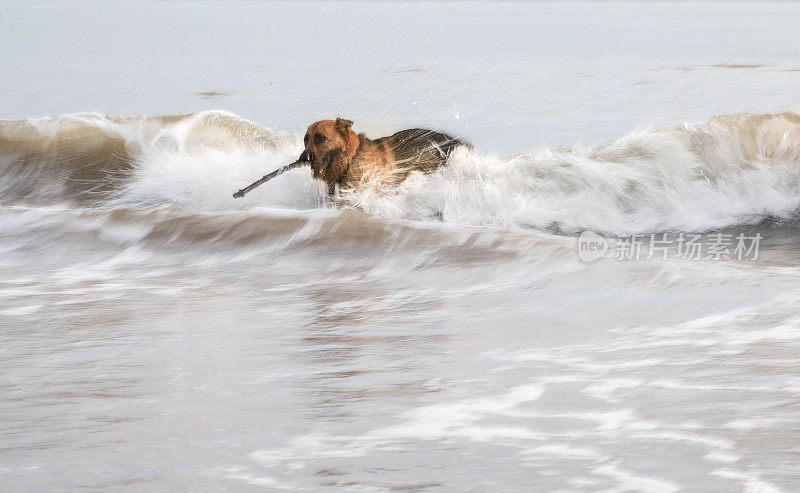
<point>329,147</point>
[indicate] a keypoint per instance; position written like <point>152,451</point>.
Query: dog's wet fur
<point>340,157</point>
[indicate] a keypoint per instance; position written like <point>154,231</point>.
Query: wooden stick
<point>297,164</point>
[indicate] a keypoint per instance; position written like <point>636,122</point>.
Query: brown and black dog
<point>339,156</point>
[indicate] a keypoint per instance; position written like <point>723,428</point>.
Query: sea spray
<point>734,169</point>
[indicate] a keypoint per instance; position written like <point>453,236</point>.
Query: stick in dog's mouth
<point>297,164</point>
<point>305,160</point>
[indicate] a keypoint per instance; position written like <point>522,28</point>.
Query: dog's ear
<point>343,125</point>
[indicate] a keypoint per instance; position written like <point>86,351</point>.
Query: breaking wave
<point>734,169</point>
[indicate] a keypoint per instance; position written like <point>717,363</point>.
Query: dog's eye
<point>319,139</point>
<point>305,139</point>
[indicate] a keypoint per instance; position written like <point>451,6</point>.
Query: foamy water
<point>441,335</point>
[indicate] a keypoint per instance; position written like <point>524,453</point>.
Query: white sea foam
<point>752,482</point>
<point>732,170</point>
<point>21,310</point>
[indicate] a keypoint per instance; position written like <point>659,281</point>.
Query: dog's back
<point>420,149</point>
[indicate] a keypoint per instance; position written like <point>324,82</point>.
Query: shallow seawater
<point>443,335</point>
